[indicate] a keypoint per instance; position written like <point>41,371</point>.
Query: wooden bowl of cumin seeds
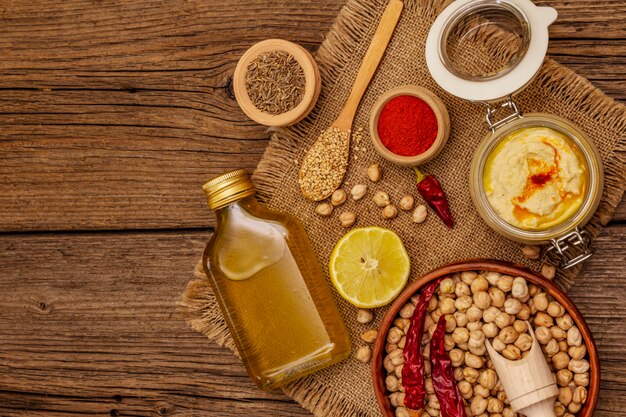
<point>277,82</point>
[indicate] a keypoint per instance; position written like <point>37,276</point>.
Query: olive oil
<point>272,292</point>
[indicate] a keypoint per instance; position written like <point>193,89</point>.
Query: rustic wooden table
<point>112,114</point>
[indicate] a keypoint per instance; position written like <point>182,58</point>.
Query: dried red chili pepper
<point>431,191</point>
<point>450,400</point>
<point>413,368</point>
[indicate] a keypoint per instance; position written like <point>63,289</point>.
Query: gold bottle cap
<point>228,187</point>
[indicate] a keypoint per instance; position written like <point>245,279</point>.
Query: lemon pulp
<point>369,266</point>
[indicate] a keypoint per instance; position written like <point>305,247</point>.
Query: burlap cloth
<point>346,389</point>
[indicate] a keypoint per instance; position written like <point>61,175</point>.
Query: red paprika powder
<point>407,126</point>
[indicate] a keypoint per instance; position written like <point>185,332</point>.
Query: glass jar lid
<point>486,50</point>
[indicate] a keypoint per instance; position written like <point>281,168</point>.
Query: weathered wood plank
<point>114,113</point>
<point>88,324</point>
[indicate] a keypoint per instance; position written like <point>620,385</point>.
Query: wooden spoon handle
<point>372,58</point>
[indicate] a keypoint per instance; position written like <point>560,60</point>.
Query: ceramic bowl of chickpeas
<point>488,300</point>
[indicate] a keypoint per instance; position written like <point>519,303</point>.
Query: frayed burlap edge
<point>356,20</point>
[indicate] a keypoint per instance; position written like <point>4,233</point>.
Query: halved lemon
<point>369,266</point>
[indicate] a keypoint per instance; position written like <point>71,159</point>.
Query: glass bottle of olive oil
<point>270,288</point>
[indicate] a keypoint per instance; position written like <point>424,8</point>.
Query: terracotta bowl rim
<point>503,267</point>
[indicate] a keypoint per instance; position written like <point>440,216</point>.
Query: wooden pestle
<point>529,384</point>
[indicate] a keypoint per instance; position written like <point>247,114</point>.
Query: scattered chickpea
<point>347,219</point>
<point>419,215</point>
<point>548,271</point>
<point>364,354</point>
<point>407,203</point>
<point>390,212</point>
<point>381,199</point>
<point>358,191</point>
<point>373,172</point>
<point>324,209</point>
<point>369,336</point>
<point>338,197</point>
<point>531,252</point>
<point>364,316</point>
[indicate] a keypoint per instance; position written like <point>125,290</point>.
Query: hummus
<point>535,178</point>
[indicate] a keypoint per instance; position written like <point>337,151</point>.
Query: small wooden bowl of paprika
<point>504,268</point>
<point>409,125</point>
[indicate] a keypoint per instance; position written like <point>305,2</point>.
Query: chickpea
<point>488,378</point>
<point>448,343</point>
<point>524,342</point>
<point>512,352</point>
<point>505,283</point>
<point>497,296</point>
<point>426,351</point>
<point>542,319</point>
<point>524,313</point>
<point>479,284</point>
<point>432,304</point>
<point>474,313</point>
<point>478,405</point>
<point>436,315</point>
<point>508,335</point>
<point>543,334</point>
<point>403,324</point>
<point>468,277</point>
<point>565,395</point>
<point>565,322</point>
<point>463,303</point>
<point>581,379</point>
<point>402,342</point>
<point>458,374</point>
<point>393,336</point>
<point>490,330</point>
<point>574,337</point>
<point>465,388</point>
<point>471,375</point>
<point>460,335</point>
<point>552,348</point>
<point>498,345</point>
<point>495,405</point>
<point>369,336</point>
<point>481,391</point>
<point>461,289</point>
<point>389,367</point>
<point>578,366</point>
<point>503,320</point>
<point>560,361</point>
<point>559,409</point>
<point>490,314</point>
<point>461,319</point>
<point>457,357</point>
<point>391,383</point>
<point>557,333</point>
<point>402,412</point>
<point>577,352</point>
<point>396,357</point>
<point>482,300</point>
<point>564,377</point>
<point>474,361</point>
<point>398,371</point>
<point>533,290</point>
<point>393,398</point>
<point>519,289</point>
<point>508,412</point>
<point>574,407</point>
<point>428,386</point>
<point>446,306</point>
<point>432,412</point>
<point>450,323</point>
<point>512,306</point>
<point>540,300</point>
<point>463,346</point>
<point>555,309</point>
<point>433,402</point>
<point>520,326</point>
<point>580,395</point>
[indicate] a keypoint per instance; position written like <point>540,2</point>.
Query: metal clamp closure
<point>510,104</point>
<point>570,250</point>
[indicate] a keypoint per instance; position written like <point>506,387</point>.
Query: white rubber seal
<point>539,18</point>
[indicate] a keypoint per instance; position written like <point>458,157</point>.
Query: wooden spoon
<point>325,163</point>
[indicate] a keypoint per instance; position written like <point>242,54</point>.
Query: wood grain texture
<point>88,324</point>
<point>114,113</point>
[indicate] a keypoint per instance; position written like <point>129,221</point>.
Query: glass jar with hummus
<point>535,178</point>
